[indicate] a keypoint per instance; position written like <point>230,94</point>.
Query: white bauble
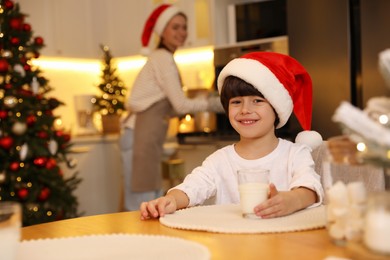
<point>23,152</point>
<point>19,128</point>
<point>53,146</point>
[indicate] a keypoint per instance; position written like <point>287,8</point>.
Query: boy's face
<point>251,116</point>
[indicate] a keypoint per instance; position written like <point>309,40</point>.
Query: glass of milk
<point>377,223</point>
<point>10,229</point>
<point>253,186</point>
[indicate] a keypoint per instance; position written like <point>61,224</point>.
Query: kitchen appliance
<point>84,114</point>
<point>338,42</point>
<point>252,20</point>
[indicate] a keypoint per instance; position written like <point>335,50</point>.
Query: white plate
<point>114,247</point>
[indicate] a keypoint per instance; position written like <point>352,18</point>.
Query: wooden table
<point>311,245</point>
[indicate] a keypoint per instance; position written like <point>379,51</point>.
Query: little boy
<point>258,91</point>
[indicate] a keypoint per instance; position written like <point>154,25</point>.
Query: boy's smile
<point>251,116</point>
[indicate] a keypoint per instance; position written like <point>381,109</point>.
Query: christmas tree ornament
<point>3,65</point>
<point>6,54</point>
<point>31,119</point>
<point>19,128</point>
<point>50,164</point>
<point>9,4</point>
<point>8,86</point>
<point>3,114</point>
<point>23,152</point>
<point>14,166</point>
<point>35,86</point>
<point>10,101</point>
<point>3,177</point>
<point>40,161</point>
<point>26,27</point>
<point>27,67</point>
<point>16,23</point>
<point>20,69</point>
<point>6,142</point>
<point>44,194</point>
<point>38,40</point>
<point>15,41</point>
<point>22,193</point>
<point>53,147</point>
<point>42,134</point>
<point>29,55</point>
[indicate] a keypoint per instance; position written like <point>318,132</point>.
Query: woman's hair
<point>236,87</point>
<point>160,43</point>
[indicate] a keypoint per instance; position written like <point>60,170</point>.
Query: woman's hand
<point>285,202</point>
<point>158,207</point>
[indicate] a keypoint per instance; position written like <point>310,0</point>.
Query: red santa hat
<point>284,82</point>
<point>156,22</point>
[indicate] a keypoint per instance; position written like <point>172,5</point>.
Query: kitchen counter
<point>100,168</point>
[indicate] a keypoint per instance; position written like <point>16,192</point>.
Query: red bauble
<point>16,23</point>
<point>3,114</point>
<point>23,193</point>
<point>42,134</point>
<point>38,40</point>
<point>26,27</point>
<point>9,4</point>
<point>15,41</point>
<point>6,142</point>
<point>40,161</point>
<point>8,86</point>
<point>51,163</point>
<point>66,137</point>
<point>44,194</point>
<point>25,92</point>
<point>3,65</point>
<point>27,67</point>
<point>31,119</point>
<point>14,166</point>
<point>59,133</point>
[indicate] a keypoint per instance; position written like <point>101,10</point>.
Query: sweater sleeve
<point>168,78</point>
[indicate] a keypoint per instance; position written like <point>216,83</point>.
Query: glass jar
<point>345,191</point>
<point>377,223</point>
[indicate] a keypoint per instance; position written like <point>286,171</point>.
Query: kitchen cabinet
<point>100,168</point>
<point>74,28</point>
<point>194,154</point>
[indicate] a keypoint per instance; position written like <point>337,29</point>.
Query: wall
<point>70,77</point>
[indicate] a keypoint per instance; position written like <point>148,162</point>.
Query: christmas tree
<point>32,148</point>
<point>113,90</point>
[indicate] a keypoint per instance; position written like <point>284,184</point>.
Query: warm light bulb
<point>383,119</point>
<point>361,147</point>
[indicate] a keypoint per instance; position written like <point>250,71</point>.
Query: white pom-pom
<point>145,51</point>
<point>310,138</point>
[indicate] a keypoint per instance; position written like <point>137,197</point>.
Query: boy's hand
<point>285,202</point>
<point>158,207</point>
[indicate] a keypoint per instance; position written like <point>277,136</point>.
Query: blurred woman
<point>156,96</point>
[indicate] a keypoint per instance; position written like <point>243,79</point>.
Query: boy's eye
<point>258,100</point>
<point>235,101</point>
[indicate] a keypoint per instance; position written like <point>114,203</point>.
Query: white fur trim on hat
<point>164,18</point>
<point>311,138</point>
<point>258,75</point>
